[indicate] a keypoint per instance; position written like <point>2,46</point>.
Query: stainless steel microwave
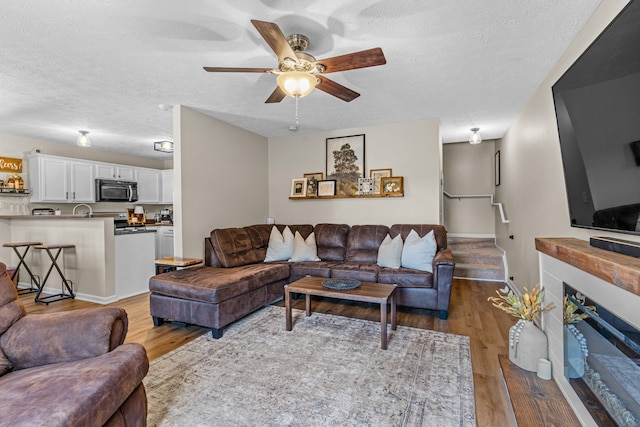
<point>108,190</point>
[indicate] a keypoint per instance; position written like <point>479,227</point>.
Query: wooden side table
<point>164,265</point>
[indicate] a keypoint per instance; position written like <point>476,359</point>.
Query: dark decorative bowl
<point>341,284</point>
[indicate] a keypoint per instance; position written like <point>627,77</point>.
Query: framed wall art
<point>312,182</point>
<point>376,174</point>
<point>327,187</point>
<point>299,187</point>
<point>391,185</point>
<point>365,186</point>
<point>345,163</point>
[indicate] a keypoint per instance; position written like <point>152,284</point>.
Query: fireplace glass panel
<point>602,362</point>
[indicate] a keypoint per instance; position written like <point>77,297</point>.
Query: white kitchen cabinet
<point>113,171</point>
<point>60,179</point>
<point>167,186</point>
<point>149,185</point>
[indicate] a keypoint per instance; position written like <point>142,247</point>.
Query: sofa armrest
<point>443,266</point>
<point>443,257</point>
<point>41,339</point>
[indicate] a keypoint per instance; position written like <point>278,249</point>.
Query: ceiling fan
<point>298,72</point>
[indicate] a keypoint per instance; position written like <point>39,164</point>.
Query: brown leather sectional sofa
<point>235,281</point>
<point>68,368</point>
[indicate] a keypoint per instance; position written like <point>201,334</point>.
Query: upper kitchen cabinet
<point>112,171</point>
<point>167,186</point>
<point>59,179</point>
<point>149,185</point>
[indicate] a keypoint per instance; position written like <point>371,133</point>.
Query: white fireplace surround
<point>576,263</point>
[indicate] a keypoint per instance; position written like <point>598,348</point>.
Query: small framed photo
<point>376,174</point>
<point>299,187</point>
<point>312,182</point>
<point>365,185</point>
<point>327,187</point>
<point>391,185</point>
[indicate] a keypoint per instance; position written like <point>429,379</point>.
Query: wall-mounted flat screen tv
<point>597,103</point>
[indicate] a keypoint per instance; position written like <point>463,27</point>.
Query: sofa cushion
<point>418,252</point>
<point>215,285</point>
<point>280,245</point>
<point>332,241</point>
<point>390,252</point>
<point>355,270</point>
<point>364,241</point>
<point>233,247</point>
<point>406,277</point>
<point>80,393</point>
<point>304,249</point>
<point>440,233</point>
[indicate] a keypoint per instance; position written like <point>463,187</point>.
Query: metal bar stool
<point>35,280</point>
<point>66,283</point>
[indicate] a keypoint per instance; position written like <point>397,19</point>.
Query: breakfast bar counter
<point>90,265</point>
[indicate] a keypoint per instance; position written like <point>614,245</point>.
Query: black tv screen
<point>597,103</point>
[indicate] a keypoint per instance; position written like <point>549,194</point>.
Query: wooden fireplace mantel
<point>617,269</point>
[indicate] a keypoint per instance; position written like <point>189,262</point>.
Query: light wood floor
<point>471,314</point>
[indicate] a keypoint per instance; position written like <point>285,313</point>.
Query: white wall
<point>411,149</point>
<point>469,169</point>
<point>220,179</point>
<point>532,188</point>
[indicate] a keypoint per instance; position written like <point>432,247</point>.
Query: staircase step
<point>479,271</point>
<point>477,258</point>
<point>470,242</point>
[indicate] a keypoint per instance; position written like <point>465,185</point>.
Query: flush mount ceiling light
<point>475,136</point>
<point>163,146</point>
<point>83,139</point>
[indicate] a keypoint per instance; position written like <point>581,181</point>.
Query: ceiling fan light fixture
<point>475,136</point>
<point>163,146</point>
<point>297,83</point>
<point>83,139</point>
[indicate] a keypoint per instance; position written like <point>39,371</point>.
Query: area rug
<point>328,371</point>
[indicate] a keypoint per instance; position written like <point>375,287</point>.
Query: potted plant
<point>527,343</point>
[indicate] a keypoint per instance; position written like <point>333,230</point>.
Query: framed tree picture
<point>345,163</point>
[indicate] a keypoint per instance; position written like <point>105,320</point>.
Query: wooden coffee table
<point>380,293</point>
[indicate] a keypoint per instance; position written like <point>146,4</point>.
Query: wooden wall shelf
<point>357,196</point>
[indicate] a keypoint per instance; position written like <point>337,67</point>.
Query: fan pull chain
<point>294,128</point>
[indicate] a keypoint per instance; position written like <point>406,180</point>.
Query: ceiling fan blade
<point>236,70</point>
<point>336,89</point>
<point>277,96</point>
<point>272,34</point>
<point>352,61</point>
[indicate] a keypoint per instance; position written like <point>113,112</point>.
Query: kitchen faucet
<point>82,204</point>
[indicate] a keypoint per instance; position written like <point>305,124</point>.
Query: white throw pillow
<point>304,250</point>
<point>280,245</point>
<point>418,253</point>
<point>390,252</point>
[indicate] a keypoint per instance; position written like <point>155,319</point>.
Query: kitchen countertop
<point>136,231</point>
<point>64,216</point>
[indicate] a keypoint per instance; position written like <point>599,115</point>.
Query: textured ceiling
<point>105,66</point>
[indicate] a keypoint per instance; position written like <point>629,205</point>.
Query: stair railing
<point>490,196</point>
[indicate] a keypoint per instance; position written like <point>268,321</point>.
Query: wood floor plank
<point>470,314</point>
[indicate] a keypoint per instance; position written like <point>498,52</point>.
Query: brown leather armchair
<point>69,368</point>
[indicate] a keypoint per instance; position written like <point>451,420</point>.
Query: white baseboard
<point>79,295</point>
